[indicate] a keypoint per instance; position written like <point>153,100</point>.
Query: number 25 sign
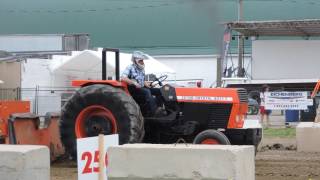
<point>88,156</point>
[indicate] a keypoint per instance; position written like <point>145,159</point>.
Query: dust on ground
<point>276,160</point>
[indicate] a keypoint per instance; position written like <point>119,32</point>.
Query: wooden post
<point>101,157</point>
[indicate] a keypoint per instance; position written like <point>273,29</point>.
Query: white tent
<point>87,65</point>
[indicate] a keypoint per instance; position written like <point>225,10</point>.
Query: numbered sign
<point>88,156</point>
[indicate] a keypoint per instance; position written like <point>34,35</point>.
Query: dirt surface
<point>64,170</point>
<point>274,161</point>
<point>287,165</point>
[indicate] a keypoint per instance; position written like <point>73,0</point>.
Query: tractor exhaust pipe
<point>104,62</point>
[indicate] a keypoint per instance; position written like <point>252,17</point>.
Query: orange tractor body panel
<point>315,90</point>
<point>81,83</point>
<point>118,84</point>
<point>217,95</point>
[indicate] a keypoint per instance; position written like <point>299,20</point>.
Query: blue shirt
<point>133,72</point>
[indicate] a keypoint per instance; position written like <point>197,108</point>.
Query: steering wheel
<point>158,81</point>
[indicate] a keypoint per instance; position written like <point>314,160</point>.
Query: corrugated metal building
<point>156,26</point>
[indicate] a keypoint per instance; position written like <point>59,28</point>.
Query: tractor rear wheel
<point>100,109</point>
<point>211,136</point>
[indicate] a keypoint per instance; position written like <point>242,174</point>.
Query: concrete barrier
<point>24,162</point>
<point>159,162</point>
<point>307,134</point>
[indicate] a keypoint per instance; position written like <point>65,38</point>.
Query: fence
<point>42,99</point>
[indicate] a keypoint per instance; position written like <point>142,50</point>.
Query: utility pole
<point>240,40</point>
<point>219,71</point>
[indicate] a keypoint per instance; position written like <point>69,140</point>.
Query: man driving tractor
<point>141,90</point>
<point>198,115</point>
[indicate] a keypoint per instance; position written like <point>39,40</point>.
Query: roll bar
<point>104,62</point>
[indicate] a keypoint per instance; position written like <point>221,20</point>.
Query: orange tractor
<point>198,115</point>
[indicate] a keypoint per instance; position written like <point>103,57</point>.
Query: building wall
<point>16,43</point>
<point>10,73</point>
<point>202,67</point>
<point>190,67</point>
<point>285,59</point>
<point>157,27</point>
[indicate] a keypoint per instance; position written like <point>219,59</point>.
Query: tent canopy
<point>87,65</point>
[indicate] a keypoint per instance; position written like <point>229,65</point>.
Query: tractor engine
<point>194,110</point>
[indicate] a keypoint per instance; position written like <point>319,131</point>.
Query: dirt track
<point>287,165</point>
<point>270,164</point>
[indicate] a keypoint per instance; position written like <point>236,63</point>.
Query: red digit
<point>96,160</point>
<point>87,168</point>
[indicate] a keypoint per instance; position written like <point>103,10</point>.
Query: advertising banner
<point>283,100</point>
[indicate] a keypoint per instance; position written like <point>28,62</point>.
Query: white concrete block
<point>156,161</point>
<point>24,162</point>
<point>307,134</point>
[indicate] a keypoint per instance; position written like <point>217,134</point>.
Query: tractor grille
<point>219,115</point>
<point>243,95</point>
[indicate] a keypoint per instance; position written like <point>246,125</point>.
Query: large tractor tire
<point>100,109</point>
<point>212,137</point>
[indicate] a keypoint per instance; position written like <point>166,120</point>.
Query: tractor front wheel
<point>211,136</point>
<point>100,109</point>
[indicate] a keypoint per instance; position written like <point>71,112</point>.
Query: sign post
<point>101,154</point>
<point>92,156</point>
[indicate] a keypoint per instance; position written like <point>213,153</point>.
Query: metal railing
<point>10,94</point>
<point>41,98</point>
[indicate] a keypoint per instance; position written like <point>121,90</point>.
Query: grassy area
<point>280,132</point>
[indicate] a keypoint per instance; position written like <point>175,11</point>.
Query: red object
<point>82,83</point>
<point>19,126</point>
<point>91,160</point>
<point>217,95</point>
<point>315,90</point>
<point>26,130</point>
<point>210,141</point>
<point>262,110</point>
<point>7,108</point>
<point>94,110</point>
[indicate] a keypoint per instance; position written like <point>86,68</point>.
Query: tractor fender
<point>113,83</point>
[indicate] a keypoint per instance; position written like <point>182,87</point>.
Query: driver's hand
<point>137,85</point>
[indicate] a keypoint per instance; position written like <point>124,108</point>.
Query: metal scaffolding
<point>302,28</point>
<point>285,28</point>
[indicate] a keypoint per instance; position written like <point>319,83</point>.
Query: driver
<point>140,90</point>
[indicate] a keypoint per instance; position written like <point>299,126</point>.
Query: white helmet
<point>136,57</point>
